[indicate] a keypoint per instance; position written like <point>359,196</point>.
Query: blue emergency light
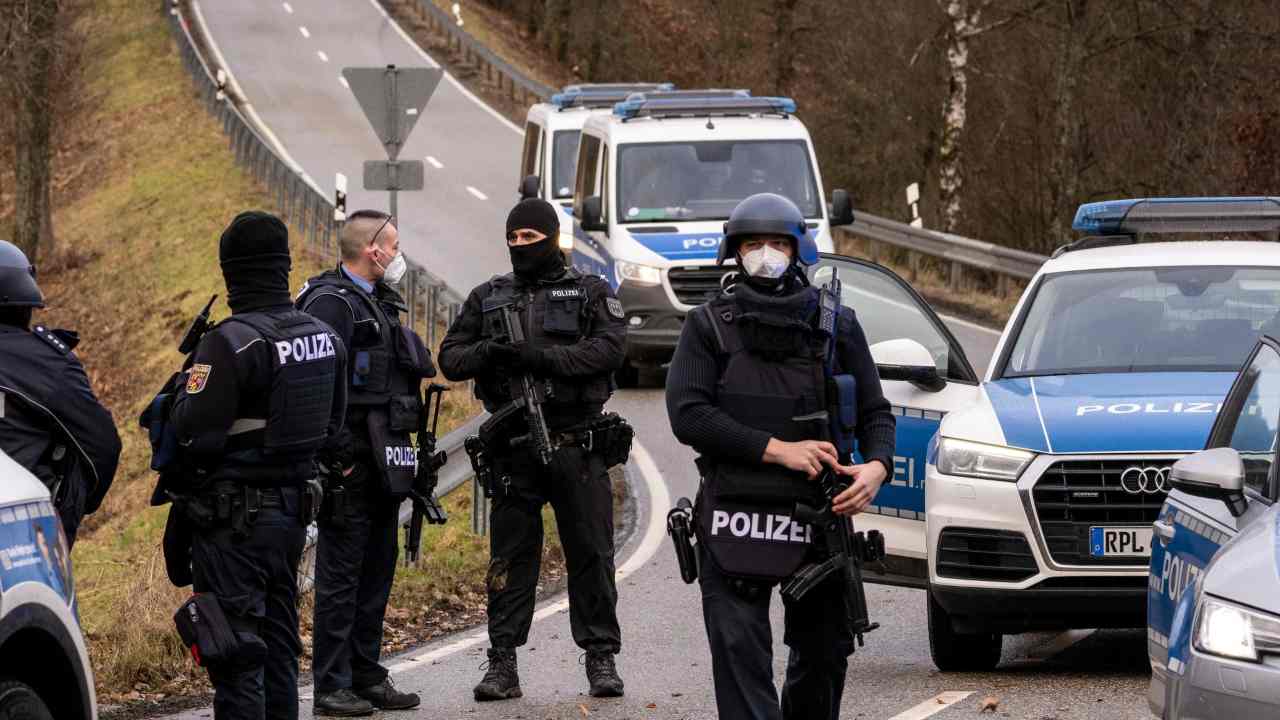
<point>1178,215</point>
<point>603,95</point>
<point>701,103</point>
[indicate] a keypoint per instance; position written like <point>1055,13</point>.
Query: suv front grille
<point>1074,495</point>
<point>977,554</point>
<point>694,285</point>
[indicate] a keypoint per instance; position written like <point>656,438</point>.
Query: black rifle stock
<point>424,483</point>
<point>531,394</point>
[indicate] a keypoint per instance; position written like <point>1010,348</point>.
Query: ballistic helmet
<point>17,279</point>
<point>768,214</point>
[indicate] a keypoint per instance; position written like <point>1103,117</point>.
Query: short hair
<point>360,230</point>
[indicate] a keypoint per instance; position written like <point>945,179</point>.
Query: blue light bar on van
<point>1179,215</point>
<point>698,103</point>
<point>603,95</point>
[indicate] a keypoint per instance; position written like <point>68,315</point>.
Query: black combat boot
<point>502,680</point>
<point>342,703</point>
<point>602,675</point>
<point>385,696</point>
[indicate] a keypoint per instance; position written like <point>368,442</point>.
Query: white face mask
<point>766,262</point>
<point>394,271</point>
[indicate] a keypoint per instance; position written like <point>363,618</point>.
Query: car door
<point>889,310</point>
<point>1190,530</point>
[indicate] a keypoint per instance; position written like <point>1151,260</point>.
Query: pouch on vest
<point>394,455</point>
<point>205,630</point>
<point>758,542</point>
<point>404,413</point>
<point>842,395</point>
<point>563,311</point>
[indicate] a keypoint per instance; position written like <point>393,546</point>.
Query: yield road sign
<point>393,99</point>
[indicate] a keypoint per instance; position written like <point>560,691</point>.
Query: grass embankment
<point>139,237</point>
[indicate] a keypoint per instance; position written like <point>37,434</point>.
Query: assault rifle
<point>422,495</point>
<point>198,328</point>
<point>846,552</point>
<point>528,394</point>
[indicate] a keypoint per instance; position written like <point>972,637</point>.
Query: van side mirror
<point>1217,474</point>
<point>530,186</point>
<point>907,360</point>
<point>590,213</point>
<point>841,210</point>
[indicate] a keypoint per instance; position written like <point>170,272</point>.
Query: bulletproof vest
<point>304,362</point>
<point>557,312</point>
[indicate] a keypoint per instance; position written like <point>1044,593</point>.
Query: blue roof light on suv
<point>697,103</point>
<point>1178,215</point>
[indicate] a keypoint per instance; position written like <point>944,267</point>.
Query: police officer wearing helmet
<point>575,340</point>
<point>370,465</point>
<point>263,392</point>
<point>50,421</point>
<point>746,389</point>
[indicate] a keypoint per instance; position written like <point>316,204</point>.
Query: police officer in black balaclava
<point>265,389</point>
<point>50,421</point>
<point>747,390</point>
<point>575,340</point>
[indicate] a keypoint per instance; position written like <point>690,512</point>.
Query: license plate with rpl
<point>1110,541</point>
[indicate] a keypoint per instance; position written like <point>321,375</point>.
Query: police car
<point>1213,605</point>
<point>551,131</point>
<point>44,667</point>
<point>655,182</point>
<point>1025,501</point>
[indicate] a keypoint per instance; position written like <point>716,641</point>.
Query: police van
<point>549,157</point>
<point>657,179</point>
<point>44,666</point>
<point>1024,501</point>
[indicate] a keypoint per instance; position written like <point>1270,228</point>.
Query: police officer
<point>264,390</point>
<point>575,340</point>
<point>746,389</point>
<point>50,421</point>
<point>371,466</point>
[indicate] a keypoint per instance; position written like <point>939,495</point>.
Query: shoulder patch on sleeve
<point>198,378</point>
<point>615,307</point>
<point>53,338</point>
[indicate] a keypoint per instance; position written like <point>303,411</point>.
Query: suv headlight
<point>638,274</point>
<point>971,459</point>
<point>1232,631</point>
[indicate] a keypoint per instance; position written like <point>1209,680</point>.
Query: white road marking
<point>477,193</point>
<point>323,57</point>
<point>344,82</point>
<point>288,8</point>
<point>969,324</point>
<point>933,705</point>
<point>1058,644</point>
<point>435,163</point>
<point>305,32</point>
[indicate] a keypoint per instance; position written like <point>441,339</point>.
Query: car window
<point>564,160</point>
<point>888,310</point>
<point>1254,420</point>
<point>1146,320</point>
<point>529,156</point>
<point>588,161</point>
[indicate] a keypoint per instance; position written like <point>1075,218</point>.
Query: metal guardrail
<point>521,87</point>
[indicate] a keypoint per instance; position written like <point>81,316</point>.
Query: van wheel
<point>960,652</point>
<point>19,702</point>
<point>627,376</point>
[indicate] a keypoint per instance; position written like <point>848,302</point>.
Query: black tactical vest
<point>553,312</point>
<point>301,394</point>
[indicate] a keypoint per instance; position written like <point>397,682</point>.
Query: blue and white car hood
<point>1098,413</point>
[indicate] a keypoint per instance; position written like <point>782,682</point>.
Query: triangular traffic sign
<point>393,99</point>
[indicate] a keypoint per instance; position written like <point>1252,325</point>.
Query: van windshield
<point>564,160</point>
<point>706,180</point>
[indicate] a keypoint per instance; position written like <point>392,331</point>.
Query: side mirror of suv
<point>908,360</point>
<point>529,187</point>
<point>1217,474</point>
<point>841,210</point>
<point>590,215</point>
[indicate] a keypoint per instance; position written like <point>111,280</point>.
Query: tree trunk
<point>32,55</point>
<point>955,110</point>
<point>1065,165</point>
<point>784,47</point>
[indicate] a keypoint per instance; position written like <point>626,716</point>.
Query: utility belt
<point>234,505</point>
<point>607,435</point>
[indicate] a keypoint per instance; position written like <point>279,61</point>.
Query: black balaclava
<point>541,259</point>
<point>254,253</point>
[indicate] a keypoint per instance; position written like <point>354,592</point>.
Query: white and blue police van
<point>1024,501</point>
<point>549,157</point>
<point>44,665</point>
<point>657,179</point>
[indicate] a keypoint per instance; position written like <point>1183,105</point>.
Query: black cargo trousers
<point>577,485</point>
<point>254,575</point>
<point>817,633</point>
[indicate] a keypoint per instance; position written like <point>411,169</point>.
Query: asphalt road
<point>286,59</point>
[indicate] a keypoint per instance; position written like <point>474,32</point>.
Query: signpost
<point>393,99</point>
